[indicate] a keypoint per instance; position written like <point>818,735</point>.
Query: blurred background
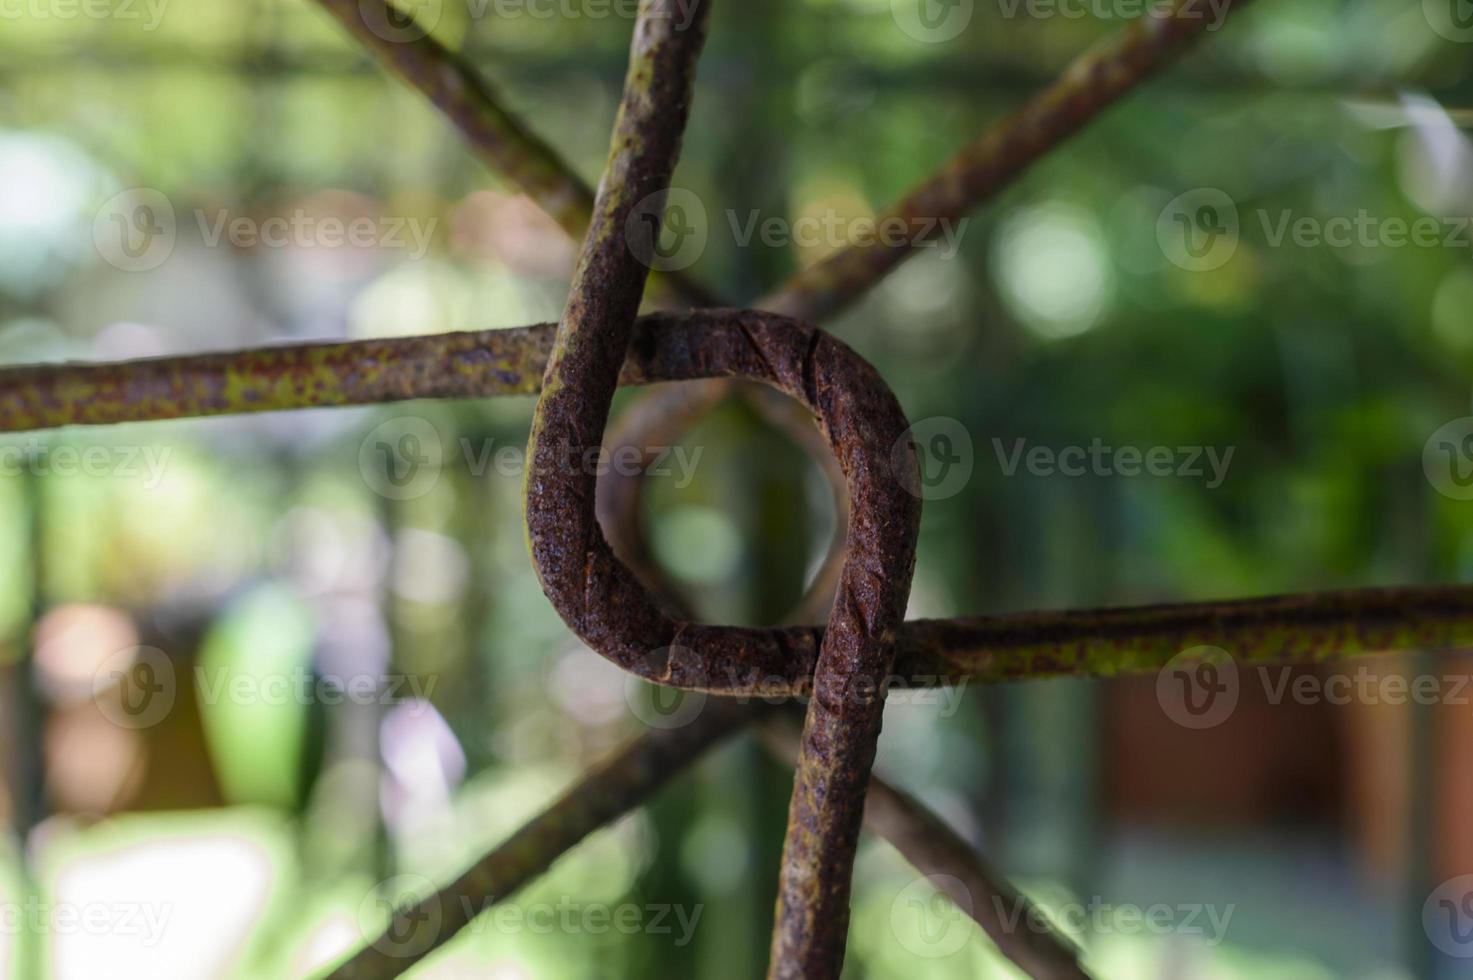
<point>261,674</point>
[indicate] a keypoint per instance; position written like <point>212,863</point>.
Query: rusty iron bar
<point>622,782</point>
<point>669,347</point>
<point>496,136</point>
<point>1021,931</point>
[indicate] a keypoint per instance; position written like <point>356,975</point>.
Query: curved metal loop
<point>608,607</point>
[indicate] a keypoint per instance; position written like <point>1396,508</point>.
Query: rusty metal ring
<point>606,605</point>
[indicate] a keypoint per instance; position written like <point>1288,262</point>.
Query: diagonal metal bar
<point>497,137</point>
<point>620,784</point>
<point>1016,926</point>
<point>934,849</point>
<point>983,167</point>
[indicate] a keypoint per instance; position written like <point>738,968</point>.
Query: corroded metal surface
<point>846,666</point>
<point>452,365</point>
<point>974,885</point>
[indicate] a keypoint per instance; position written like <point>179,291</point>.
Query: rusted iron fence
<point>584,538</point>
